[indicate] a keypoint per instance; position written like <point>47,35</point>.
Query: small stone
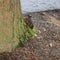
<point>39,31</point>
<point>38,37</point>
<point>44,29</point>
<point>35,35</point>
<point>51,45</point>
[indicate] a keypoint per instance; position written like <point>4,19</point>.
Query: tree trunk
<point>13,30</point>
<point>10,15</point>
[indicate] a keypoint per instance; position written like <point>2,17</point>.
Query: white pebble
<point>35,35</point>
<point>51,45</point>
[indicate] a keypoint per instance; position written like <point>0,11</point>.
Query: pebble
<point>39,31</point>
<point>51,45</point>
<point>44,29</point>
<point>35,35</point>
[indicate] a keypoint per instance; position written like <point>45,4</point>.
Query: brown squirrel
<point>28,21</point>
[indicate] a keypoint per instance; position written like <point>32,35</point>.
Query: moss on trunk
<point>13,30</point>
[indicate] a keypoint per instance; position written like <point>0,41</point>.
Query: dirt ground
<point>45,45</point>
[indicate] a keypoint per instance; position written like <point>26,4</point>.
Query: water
<point>39,5</point>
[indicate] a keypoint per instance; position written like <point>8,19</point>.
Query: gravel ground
<point>46,42</point>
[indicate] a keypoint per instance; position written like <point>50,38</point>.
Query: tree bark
<point>10,17</point>
<point>13,30</point>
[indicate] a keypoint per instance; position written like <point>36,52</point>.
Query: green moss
<point>23,34</point>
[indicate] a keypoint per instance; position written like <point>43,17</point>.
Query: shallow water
<point>39,5</point>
